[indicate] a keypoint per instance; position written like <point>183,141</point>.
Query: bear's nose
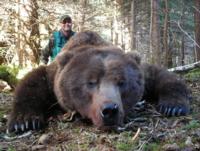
<point>109,113</point>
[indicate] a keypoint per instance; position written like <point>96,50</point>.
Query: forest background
<point>164,32</point>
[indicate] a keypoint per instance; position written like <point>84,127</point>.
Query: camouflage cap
<point>65,18</point>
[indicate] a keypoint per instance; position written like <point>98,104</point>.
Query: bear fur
<point>99,81</point>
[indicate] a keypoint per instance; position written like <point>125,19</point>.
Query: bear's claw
<point>22,126</point>
<point>173,111</point>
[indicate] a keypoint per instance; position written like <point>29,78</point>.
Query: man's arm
<point>47,51</point>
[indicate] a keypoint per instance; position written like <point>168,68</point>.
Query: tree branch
<point>178,23</point>
<point>185,67</point>
<point>196,9</point>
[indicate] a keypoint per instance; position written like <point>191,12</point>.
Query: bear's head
<point>101,83</point>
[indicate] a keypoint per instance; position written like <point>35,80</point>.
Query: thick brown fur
<point>85,38</point>
<point>99,81</point>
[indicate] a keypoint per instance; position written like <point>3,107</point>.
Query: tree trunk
<point>116,38</point>
<point>115,27</point>
<point>182,40</point>
<point>197,28</point>
<point>168,56</point>
<point>133,24</point>
<point>122,35</point>
<point>111,31</point>
<point>27,29</point>
<point>122,26</point>
<point>170,46</point>
<point>183,50</point>
<point>18,36</point>
<point>35,34</point>
<point>82,15</point>
<point>155,34</point>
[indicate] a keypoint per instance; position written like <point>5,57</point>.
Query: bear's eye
<point>121,83</point>
<point>92,83</point>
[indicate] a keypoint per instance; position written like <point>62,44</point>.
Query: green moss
<point>84,146</point>
<point>192,125</point>
<point>193,74</point>
<point>124,146</point>
<point>9,74</point>
<point>181,144</point>
<point>76,130</point>
<point>10,148</point>
<point>4,110</point>
<point>2,113</point>
<point>127,134</point>
<point>125,143</point>
<point>152,147</point>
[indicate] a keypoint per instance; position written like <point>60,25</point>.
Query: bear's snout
<point>110,113</point>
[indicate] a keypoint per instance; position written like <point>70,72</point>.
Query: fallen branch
<point>136,134</point>
<point>185,67</point>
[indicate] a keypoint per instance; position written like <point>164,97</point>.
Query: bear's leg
<point>173,98</point>
<point>167,90</point>
<point>32,99</point>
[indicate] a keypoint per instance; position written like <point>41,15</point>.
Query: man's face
<point>66,25</point>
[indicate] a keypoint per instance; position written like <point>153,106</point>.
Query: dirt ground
<point>146,130</point>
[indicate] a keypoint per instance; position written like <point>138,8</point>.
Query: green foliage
<point>11,149</point>
<point>2,112</point>
<point>192,125</point>
<point>193,74</point>
<point>9,74</point>
<point>126,143</point>
<point>151,147</point>
<point>122,146</point>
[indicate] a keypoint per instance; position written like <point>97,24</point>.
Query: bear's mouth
<point>108,120</point>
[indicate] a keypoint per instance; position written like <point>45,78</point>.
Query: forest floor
<point>146,131</point>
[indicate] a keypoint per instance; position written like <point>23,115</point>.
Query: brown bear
<point>99,81</point>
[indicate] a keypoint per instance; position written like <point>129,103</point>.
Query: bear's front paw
<point>169,110</point>
<point>24,123</point>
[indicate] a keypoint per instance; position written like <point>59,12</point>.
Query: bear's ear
<point>63,58</point>
<point>134,56</point>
